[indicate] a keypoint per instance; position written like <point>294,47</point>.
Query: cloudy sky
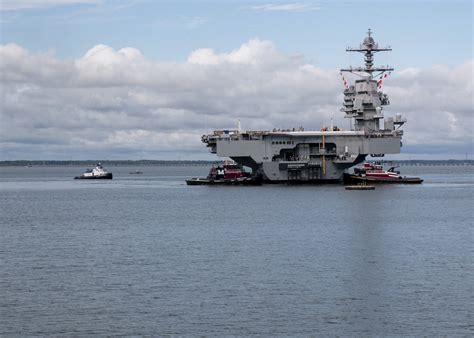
<point>142,79</point>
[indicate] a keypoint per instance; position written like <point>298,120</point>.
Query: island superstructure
<point>321,156</point>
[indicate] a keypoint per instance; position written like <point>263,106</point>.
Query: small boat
<point>136,172</point>
<point>361,186</point>
<point>226,174</point>
<point>374,173</point>
<point>94,174</point>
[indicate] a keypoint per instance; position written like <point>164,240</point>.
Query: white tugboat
<point>97,173</point>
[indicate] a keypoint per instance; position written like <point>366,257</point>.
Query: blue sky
<point>134,79</point>
<point>423,33</point>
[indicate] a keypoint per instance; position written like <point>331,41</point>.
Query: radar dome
<point>368,41</point>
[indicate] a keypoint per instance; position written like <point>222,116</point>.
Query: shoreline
<point>149,163</point>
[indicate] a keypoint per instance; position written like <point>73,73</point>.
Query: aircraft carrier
<point>297,155</point>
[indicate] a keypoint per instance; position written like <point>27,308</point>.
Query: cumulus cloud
<point>439,103</point>
<point>120,104</point>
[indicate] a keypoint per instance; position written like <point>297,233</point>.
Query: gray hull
<point>318,157</point>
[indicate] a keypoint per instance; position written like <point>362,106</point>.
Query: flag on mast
<point>382,77</point>
<point>344,81</point>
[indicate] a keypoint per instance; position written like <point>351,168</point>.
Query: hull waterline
<point>108,176</point>
<point>350,179</point>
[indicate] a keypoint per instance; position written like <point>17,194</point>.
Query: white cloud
<point>438,102</point>
<point>285,7</point>
<point>255,52</point>
<point>9,5</point>
<point>118,103</point>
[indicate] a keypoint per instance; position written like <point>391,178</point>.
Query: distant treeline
<point>141,163</point>
<point>430,162</point>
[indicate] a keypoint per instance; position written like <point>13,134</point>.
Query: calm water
<point>146,254</point>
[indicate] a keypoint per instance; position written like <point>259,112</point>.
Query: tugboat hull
<point>227,174</point>
<point>107,176</point>
<point>355,179</point>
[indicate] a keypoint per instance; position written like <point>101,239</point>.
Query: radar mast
<point>363,100</point>
<point>368,47</point>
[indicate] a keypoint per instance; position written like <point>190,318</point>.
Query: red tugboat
<point>228,173</point>
<point>375,173</point>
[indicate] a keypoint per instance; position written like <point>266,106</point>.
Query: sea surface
<point>148,255</point>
